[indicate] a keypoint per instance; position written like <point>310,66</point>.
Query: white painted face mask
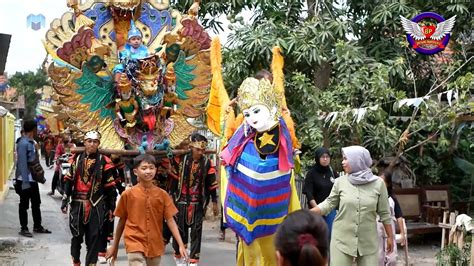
<point>259,117</point>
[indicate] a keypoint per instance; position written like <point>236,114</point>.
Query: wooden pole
<point>137,152</point>
<point>452,221</point>
<point>443,231</point>
<point>472,248</point>
<point>405,248</point>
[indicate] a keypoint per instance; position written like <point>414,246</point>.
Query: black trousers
<point>166,233</point>
<point>32,194</point>
<point>194,224</point>
<point>106,235</point>
<point>54,182</point>
<point>90,231</point>
<point>223,226</point>
<point>49,157</point>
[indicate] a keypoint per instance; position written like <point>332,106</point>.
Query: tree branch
<point>446,80</point>
<point>421,143</point>
<point>400,150</point>
<point>311,8</point>
<point>412,74</point>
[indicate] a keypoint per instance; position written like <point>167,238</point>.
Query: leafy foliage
<point>27,83</point>
<point>341,55</point>
<point>452,255</point>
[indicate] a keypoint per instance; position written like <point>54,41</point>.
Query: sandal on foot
<point>221,237</point>
<point>41,230</point>
<point>25,233</point>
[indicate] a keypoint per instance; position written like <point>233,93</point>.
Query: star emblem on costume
<point>266,139</point>
<point>267,142</point>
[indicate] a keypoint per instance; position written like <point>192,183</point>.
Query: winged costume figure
<point>257,180</point>
<point>133,69</point>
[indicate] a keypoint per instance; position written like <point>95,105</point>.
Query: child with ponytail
<point>302,239</point>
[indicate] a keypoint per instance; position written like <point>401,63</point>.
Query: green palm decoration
<point>183,76</point>
<point>96,91</point>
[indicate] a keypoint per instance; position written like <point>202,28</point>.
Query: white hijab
<point>360,161</point>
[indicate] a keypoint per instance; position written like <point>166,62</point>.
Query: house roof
<point>4,46</point>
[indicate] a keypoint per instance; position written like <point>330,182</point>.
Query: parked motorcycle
<point>64,167</point>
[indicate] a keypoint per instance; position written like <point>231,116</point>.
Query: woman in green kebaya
<point>359,196</point>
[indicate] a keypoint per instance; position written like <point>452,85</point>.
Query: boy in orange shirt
<point>142,210</point>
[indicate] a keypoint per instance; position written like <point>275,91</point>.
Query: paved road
<point>53,249</point>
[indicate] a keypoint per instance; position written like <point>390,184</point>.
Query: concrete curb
<point>10,242</point>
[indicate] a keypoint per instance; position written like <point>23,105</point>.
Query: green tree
<point>343,55</point>
<point>27,83</point>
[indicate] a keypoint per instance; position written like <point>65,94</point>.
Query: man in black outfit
<point>24,184</point>
<point>89,193</point>
<point>193,181</point>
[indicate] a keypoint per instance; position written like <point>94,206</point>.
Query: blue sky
<point>26,49</point>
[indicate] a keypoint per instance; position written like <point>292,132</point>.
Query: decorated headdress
<point>170,73</point>
<point>93,134</point>
<point>96,63</point>
<point>253,91</point>
<point>149,70</point>
<point>198,141</point>
<point>134,31</point>
<point>124,85</point>
<point>202,144</point>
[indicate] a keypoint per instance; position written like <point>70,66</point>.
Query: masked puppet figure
<point>259,164</point>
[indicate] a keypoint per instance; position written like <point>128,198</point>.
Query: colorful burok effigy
<point>134,70</point>
<point>259,164</point>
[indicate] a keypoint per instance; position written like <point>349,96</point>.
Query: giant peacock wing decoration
<point>184,76</point>
<point>193,101</point>
<point>95,91</point>
<point>101,83</point>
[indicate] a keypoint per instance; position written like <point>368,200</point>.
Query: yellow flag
<point>278,76</point>
<point>218,98</point>
<point>278,83</point>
